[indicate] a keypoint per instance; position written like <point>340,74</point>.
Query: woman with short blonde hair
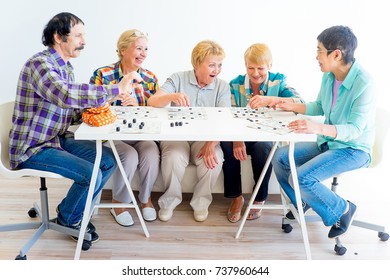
<point>257,88</point>
<point>204,49</point>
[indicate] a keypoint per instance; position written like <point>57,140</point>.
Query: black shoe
<point>341,226</point>
<point>94,236</point>
<point>90,229</point>
<point>290,215</point>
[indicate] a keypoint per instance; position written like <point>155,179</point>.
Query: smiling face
<point>208,70</point>
<point>134,55</point>
<point>71,45</point>
<point>258,62</point>
<point>257,73</point>
<point>325,58</point>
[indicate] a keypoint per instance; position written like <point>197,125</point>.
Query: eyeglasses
<point>322,51</point>
<point>139,34</point>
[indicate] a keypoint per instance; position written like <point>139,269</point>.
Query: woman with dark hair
<point>345,139</point>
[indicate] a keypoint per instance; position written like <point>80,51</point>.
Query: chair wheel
<point>287,228</point>
<point>383,236</point>
<point>340,250</point>
<point>32,213</point>
<point>86,245</point>
<point>20,258</point>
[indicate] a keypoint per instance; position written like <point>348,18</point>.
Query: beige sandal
<point>235,216</point>
<point>255,213</point>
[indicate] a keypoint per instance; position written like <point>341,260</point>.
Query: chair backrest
<point>6,110</point>
<point>382,122</point>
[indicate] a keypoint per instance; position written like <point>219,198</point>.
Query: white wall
<point>290,28</point>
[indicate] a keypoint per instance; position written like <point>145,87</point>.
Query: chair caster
<point>340,250</point>
<point>287,228</point>
<point>383,236</point>
<point>32,213</point>
<point>20,258</point>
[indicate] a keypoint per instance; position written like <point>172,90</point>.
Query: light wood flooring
<point>180,238</point>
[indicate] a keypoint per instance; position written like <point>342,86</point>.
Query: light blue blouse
<point>354,112</point>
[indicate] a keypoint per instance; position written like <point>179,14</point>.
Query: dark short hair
<point>60,24</point>
<point>341,38</point>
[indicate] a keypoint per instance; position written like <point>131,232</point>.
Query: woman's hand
<point>208,154</point>
<point>239,150</point>
<point>304,126</point>
<point>180,99</point>
<point>126,84</point>
<point>259,101</point>
<point>128,100</point>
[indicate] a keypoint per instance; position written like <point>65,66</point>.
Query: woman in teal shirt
<point>344,141</point>
<point>257,88</point>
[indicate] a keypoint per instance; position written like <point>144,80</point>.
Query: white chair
<point>382,128</point>
<point>6,111</point>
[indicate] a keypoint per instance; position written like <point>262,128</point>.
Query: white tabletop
<point>219,125</point>
<point>216,124</point>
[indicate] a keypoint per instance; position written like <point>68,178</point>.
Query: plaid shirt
<point>47,102</point>
<point>112,74</point>
<point>275,85</point>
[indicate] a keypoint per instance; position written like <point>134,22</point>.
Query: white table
<point>220,125</point>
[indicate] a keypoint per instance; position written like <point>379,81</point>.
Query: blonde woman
<point>199,87</point>
<point>132,49</point>
<point>257,88</point>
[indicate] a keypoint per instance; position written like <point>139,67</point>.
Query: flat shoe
<point>149,214</point>
<point>201,215</point>
<point>235,216</point>
<point>255,213</point>
<point>165,214</point>
<point>124,218</point>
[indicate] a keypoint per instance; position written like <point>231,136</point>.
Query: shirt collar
<point>59,59</point>
<point>351,76</point>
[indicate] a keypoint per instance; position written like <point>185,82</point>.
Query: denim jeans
<point>315,165</point>
<point>75,162</point>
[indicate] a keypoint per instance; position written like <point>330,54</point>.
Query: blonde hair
<point>127,38</point>
<point>204,49</point>
<point>258,54</point>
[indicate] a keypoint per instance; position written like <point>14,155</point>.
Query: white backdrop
<point>290,28</point>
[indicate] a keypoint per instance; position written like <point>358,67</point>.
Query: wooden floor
<point>181,238</point>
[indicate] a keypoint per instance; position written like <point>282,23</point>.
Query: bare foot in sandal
<point>255,213</point>
<point>234,212</point>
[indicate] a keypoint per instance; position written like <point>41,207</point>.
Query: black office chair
<point>382,129</point>
<point>6,110</point>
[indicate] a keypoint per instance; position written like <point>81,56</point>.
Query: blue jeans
<point>315,165</point>
<point>75,162</point>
